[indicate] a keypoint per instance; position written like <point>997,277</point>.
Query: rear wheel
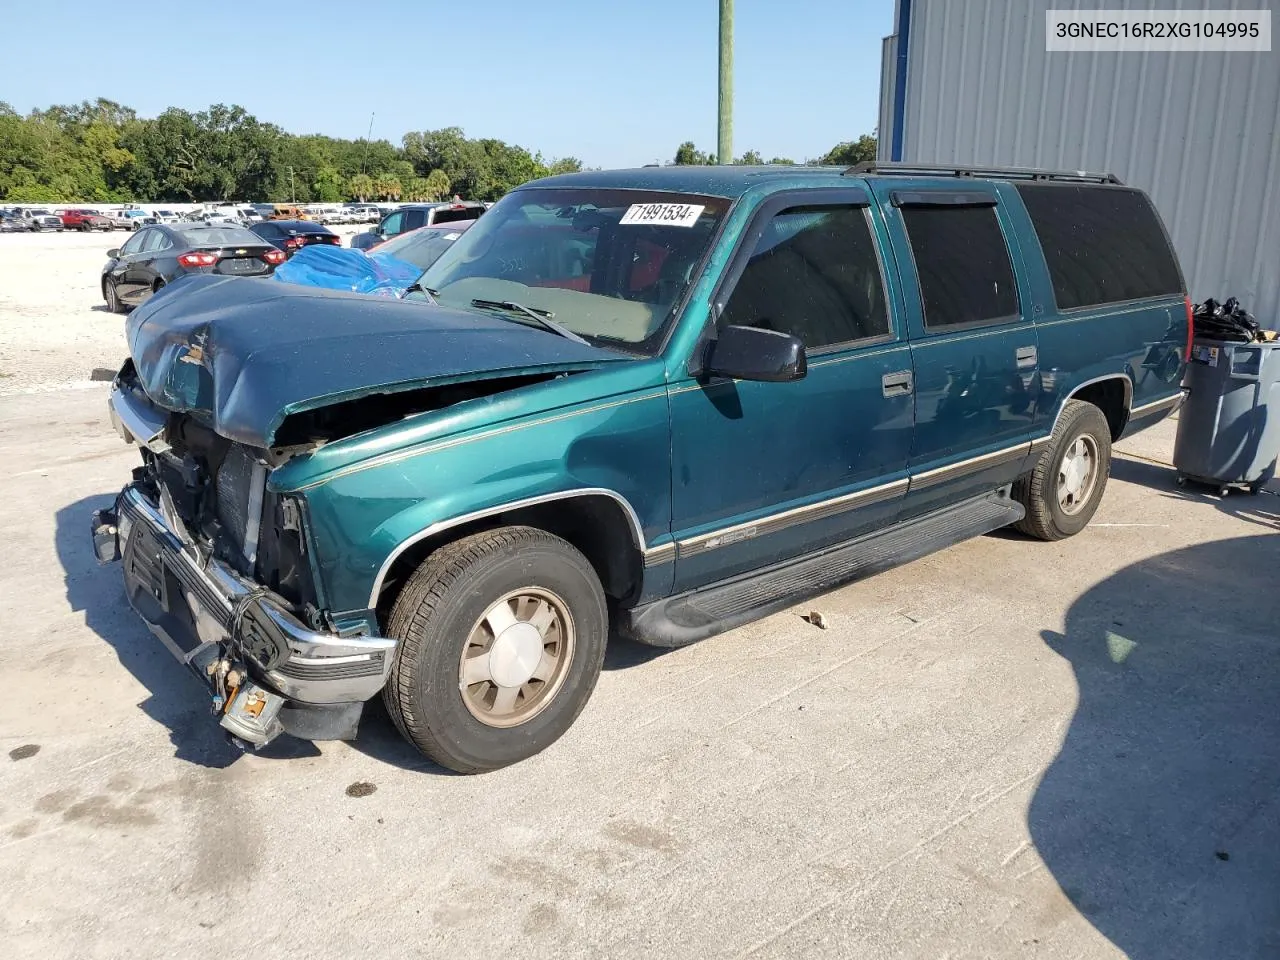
<point>1063,490</point>
<point>502,637</point>
<point>111,295</point>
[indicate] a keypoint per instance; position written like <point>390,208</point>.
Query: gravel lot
<point>54,327</point>
<point>1009,749</point>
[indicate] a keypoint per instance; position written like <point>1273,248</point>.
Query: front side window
<point>413,219</point>
<point>814,274</point>
<point>1101,244</point>
<point>134,243</point>
<point>608,264</point>
<point>965,273</point>
<point>392,225</point>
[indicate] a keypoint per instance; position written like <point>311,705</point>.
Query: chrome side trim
<point>656,556</point>
<point>971,465</point>
<point>633,520</point>
<point>431,446</point>
<point>1154,405</point>
<point>773,523</point>
<point>135,422</point>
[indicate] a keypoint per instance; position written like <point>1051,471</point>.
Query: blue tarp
<point>340,268</point>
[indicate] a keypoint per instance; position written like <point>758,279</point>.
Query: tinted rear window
<point>217,236</point>
<point>444,215</point>
<point>1102,244</point>
<point>963,264</point>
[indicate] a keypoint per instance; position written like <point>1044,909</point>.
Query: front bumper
<point>204,612</point>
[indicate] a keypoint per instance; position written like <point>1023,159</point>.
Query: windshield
<point>608,264</point>
<point>422,247</point>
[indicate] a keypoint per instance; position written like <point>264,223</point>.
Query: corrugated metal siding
<point>888,59</point>
<point>1200,132</point>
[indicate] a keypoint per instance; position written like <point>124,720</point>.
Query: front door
<point>973,343</point>
<point>122,273</point>
<point>766,471</point>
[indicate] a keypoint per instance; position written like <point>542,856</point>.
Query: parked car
<point>668,400</point>
<point>159,254</point>
<point>292,235</point>
<point>387,270</point>
<point>285,211</point>
<point>11,222</point>
<point>80,218</point>
<point>411,216</point>
<point>39,219</point>
<point>122,218</point>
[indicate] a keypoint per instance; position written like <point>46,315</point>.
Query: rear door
<point>973,343</point>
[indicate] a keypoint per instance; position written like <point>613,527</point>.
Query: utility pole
<point>724,148</point>
<point>367,138</point>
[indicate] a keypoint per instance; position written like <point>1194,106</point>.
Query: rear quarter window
<point>1102,244</point>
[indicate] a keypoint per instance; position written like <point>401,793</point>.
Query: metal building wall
<point>1199,131</point>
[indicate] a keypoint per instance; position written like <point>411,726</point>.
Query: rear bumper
<point>205,612</point>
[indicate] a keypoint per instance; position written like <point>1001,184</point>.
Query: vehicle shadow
<point>1160,816</point>
<point>1262,509</point>
<point>176,700</point>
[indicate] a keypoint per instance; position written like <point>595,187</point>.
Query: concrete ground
<point>1008,749</point>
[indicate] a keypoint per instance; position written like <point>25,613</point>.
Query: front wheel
<point>502,636</point>
<point>1062,492</point>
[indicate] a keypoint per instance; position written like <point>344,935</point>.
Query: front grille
<point>233,488</point>
<point>336,671</point>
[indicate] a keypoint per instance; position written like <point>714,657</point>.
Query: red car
<point>85,220</point>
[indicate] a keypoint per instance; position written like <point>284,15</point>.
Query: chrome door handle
<point>897,384</point>
<point>1025,356</point>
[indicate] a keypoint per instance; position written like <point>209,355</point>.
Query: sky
<point>612,83</point>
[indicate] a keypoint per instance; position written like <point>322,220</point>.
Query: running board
<point>688,617</point>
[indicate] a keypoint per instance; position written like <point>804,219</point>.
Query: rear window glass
<point>965,273</point>
<point>445,215</point>
<point>219,236</point>
<point>1102,244</point>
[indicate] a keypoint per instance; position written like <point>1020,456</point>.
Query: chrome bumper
<point>320,668</point>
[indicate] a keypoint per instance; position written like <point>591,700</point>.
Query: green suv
<point>657,403</point>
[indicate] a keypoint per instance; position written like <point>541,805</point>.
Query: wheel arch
<point>601,523</point>
<point>1112,393</point>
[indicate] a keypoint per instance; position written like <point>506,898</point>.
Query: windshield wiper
<point>416,287</point>
<point>541,317</point>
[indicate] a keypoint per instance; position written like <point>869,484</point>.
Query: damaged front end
<point>218,567</point>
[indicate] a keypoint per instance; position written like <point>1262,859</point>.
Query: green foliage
<point>687,154</point>
<point>102,151</point>
<point>849,152</point>
<point>751,158</point>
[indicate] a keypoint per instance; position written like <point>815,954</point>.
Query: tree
<point>750,158</point>
<point>360,187</point>
<point>564,165</point>
<point>784,161</point>
<point>849,152</point>
<point>687,154</point>
<point>437,185</point>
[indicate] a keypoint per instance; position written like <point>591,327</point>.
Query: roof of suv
<point>712,181</point>
<point>733,180</point>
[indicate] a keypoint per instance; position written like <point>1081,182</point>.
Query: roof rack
<point>949,170</point>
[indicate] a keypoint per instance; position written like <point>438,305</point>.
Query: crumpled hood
<point>242,354</point>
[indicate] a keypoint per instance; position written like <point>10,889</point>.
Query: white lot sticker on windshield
<point>663,214</point>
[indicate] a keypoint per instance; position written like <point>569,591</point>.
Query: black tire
<point>112,296</point>
<point>433,618</point>
<point>85,226</point>
<point>1038,490</point>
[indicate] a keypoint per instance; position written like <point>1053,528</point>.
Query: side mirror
<point>113,253</point>
<point>752,353</point>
